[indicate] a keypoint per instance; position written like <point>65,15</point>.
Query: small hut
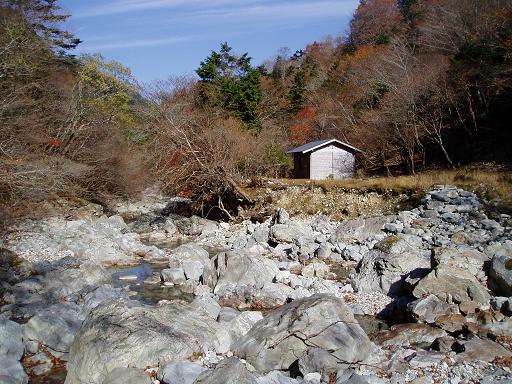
<point>324,159</point>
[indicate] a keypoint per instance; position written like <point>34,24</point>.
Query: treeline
<point>67,125</point>
<point>416,83</point>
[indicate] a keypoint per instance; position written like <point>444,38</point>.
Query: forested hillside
<point>415,84</point>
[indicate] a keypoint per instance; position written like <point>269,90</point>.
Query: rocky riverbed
<point>142,295</point>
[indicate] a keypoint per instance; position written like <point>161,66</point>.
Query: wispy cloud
<point>127,6</point>
<point>238,8</point>
<point>258,12</point>
<point>214,15</point>
<point>138,43</point>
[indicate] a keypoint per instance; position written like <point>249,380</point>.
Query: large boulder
<point>55,327</point>
<point>73,279</point>
<point>360,229</point>
<point>124,333</point>
<point>467,258</point>
<point>386,267</point>
<point>195,225</point>
<point>11,371</point>
<point>244,268</point>
<point>427,309</point>
<point>292,232</point>
<point>285,334</point>
<point>195,263</point>
<point>452,284</point>
<point>482,350</point>
<point>11,336</point>
<point>408,334</point>
<point>501,268</point>
<point>251,296</point>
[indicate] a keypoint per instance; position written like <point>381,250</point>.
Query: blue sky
<point>160,38</point>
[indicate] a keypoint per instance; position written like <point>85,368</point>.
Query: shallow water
<point>143,281</point>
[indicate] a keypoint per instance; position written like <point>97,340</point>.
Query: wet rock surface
<point>421,296</point>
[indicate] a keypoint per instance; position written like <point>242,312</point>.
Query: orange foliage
<point>302,129</point>
<point>373,18</point>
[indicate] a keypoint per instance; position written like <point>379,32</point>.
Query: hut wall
<point>331,162</point>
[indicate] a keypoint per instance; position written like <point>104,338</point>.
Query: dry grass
<point>487,182</point>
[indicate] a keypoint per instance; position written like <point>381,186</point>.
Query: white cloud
<point>127,6</point>
<point>226,8</point>
<point>138,43</point>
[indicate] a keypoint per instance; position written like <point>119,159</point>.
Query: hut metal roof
<point>311,146</point>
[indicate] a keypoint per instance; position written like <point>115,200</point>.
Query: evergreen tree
<point>44,17</point>
<point>298,92</point>
<point>230,82</point>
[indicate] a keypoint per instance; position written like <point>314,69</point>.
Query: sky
<point>161,38</point>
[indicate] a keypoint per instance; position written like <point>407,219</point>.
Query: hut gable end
<point>324,159</point>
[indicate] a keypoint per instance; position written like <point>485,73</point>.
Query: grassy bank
<point>487,182</point>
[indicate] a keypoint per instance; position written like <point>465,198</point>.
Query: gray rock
<point>194,226</point>
<point>319,360</point>
<point>498,375</point>
<point>425,359</point>
<point>181,371</point>
<point>501,271</point>
<point>169,227</point>
<point>244,268</point>
<point>386,267</point>
<point>276,377</point>
<point>319,321</point>
<point>280,216</point>
<point>482,350</point>
<point>408,334</point>
<point>208,305</point>
<point>126,333</point>
<point>173,275</point>
<point>316,269</point>
<point>394,227</point>
<point>240,325</point>
<point>312,378</point>
<point>450,283</point>
<point>428,308</point>
<point>227,314</point>
<point>99,295</point>
<point>360,229</point>
<point>39,364</point>
<point>323,252</point>
<point>244,296</point>
<point>260,234</point>
<point>11,336</point>
<point>228,371</point>
<point>55,327</point>
<point>451,217</point>
<point>73,280</point>
<point>293,232</point>
<point>195,262</point>
<point>11,371</point>
<point>127,376</point>
<point>444,195</point>
<point>350,377</point>
<point>467,258</point>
